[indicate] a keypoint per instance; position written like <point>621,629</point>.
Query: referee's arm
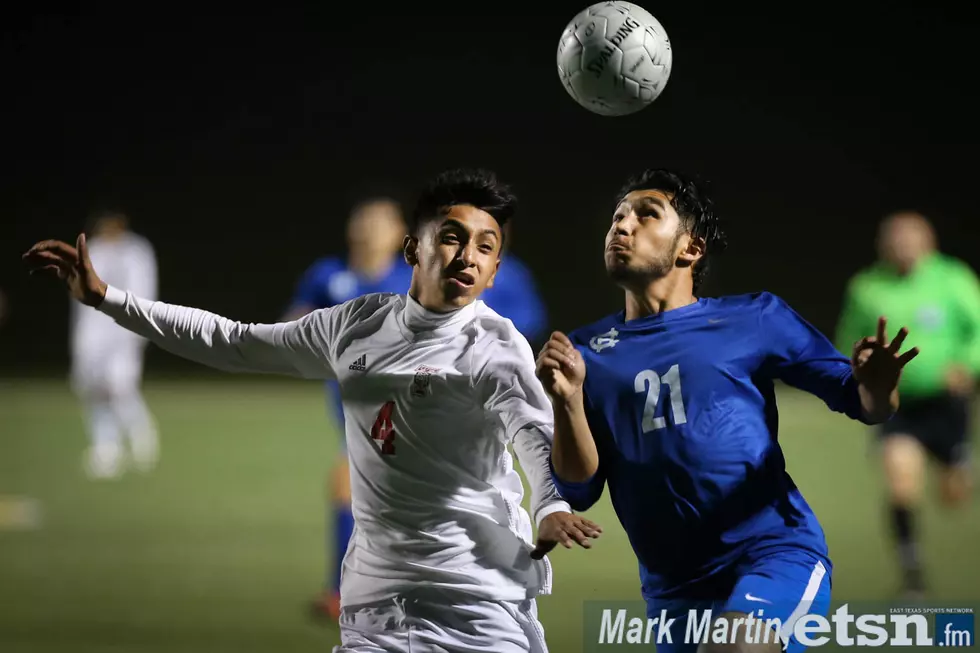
<point>968,295</point>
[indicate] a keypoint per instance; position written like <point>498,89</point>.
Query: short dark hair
<point>694,207</point>
<point>473,186</point>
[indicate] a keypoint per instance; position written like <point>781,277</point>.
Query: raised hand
<point>561,368</point>
<point>877,366</point>
<point>566,529</point>
<point>69,264</point>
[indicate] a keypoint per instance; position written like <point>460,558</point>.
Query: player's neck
<point>905,268</point>
<point>664,294</point>
<point>430,299</point>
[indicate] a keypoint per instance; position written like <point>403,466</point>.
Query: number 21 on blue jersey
<point>648,384</point>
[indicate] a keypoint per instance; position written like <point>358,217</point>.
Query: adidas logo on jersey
<point>360,365</point>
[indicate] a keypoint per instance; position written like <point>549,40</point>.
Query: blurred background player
<point>373,263</point>
<point>938,297</point>
<point>107,360</point>
<point>514,295</point>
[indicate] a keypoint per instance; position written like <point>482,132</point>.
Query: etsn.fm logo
<point>954,629</point>
<point>844,627</point>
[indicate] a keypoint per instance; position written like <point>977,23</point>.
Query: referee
<point>938,297</point>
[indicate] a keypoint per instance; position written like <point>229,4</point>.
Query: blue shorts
<point>786,586</point>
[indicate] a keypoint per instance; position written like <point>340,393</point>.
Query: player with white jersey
<point>107,360</point>
<point>435,386</point>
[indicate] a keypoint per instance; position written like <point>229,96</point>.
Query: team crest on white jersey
<point>420,384</point>
<point>605,340</point>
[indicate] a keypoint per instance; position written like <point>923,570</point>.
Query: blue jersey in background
<point>514,295</point>
<point>329,282</point>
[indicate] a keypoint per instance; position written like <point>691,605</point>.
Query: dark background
<point>237,141</point>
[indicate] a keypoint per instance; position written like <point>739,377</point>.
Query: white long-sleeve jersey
<point>431,401</point>
<point>125,262</point>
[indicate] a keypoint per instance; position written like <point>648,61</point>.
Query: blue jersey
<point>329,282</point>
<point>682,407</point>
<point>514,295</point>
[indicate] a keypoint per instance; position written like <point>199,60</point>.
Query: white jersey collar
<point>417,320</point>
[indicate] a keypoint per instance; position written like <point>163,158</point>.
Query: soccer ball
<point>614,58</point>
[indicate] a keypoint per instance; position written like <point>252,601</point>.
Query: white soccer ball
<point>614,58</point>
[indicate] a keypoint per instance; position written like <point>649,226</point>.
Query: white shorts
<point>407,625</point>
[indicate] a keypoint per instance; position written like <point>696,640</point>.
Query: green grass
<point>221,547</point>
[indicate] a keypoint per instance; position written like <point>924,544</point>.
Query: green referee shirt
<point>939,302</point>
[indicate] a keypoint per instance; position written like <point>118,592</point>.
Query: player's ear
<point>410,249</point>
<point>496,267</point>
<point>692,249</point>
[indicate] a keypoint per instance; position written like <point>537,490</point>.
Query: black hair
<point>474,186</point>
<point>693,206</point>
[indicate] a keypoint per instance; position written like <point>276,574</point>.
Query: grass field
<point>221,547</point>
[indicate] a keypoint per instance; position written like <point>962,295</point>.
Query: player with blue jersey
<point>671,403</point>
<point>373,264</point>
<point>514,295</point>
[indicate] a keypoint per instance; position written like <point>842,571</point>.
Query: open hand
<point>69,264</point>
<point>567,529</point>
<point>561,367</point>
<point>878,366</point>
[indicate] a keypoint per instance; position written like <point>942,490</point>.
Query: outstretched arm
<point>299,348</point>
<point>864,388</point>
<point>968,293</point>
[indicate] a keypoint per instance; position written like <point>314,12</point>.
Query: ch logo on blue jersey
<point>954,629</point>
<point>605,340</point>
